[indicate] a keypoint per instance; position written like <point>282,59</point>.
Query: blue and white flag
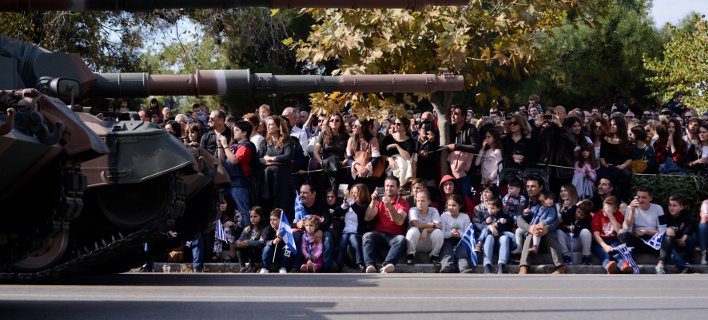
<point>300,212</point>
<point>467,241</point>
<point>627,256</point>
<point>220,234</point>
<point>655,241</point>
<point>287,233</point>
<point>309,246</point>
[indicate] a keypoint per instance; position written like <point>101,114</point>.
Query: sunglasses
<point>334,120</point>
<point>598,127</point>
<point>514,123</point>
<point>397,124</point>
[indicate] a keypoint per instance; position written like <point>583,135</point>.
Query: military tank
<point>130,202</point>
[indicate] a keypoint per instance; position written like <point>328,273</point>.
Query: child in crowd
<point>513,197</point>
<point>578,220</point>
<point>545,216</point>
<point>274,243</point>
<point>194,134</point>
<point>311,249</point>
<point>264,112</point>
<point>236,159</point>
<point>353,209</point>
<point>685,227</point>
<point>250,244</point>
<point>605,225</point>
<point>489,156</point>
<point>585,171</point>
<point>231,229</point>
<point>454,257</point>
<point>425,232</point>
<point>496,222</point>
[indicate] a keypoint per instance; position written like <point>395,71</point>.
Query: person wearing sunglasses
<point>598,128</point>
<point>516,146</point>
<point>400,147</point>
<point>217,121</point>
<point>330,150</point>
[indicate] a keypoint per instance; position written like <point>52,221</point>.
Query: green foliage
<point>693,189</point>
<point>684,66</point>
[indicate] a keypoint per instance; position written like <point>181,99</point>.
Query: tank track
<point>83,259</point>
<point>65,207</point>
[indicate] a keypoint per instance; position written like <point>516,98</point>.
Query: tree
<point>481,41</point>
<point>684,67</point>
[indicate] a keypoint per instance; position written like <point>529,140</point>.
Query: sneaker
<point>144,268</point>
<point>467,270</point>
<point>523,269</point>
<point>611,267</point>
<point>410,259</point>
<point>502,269</point>
<point>263,270</point>
<point>587,260</point>
<point>533,250</point>
<point>434,259</point>
<point>199,269</point>
<point>388,268</point>
<point>487,268</point>
<point>560,270</point>
<point>566,259</point>
<point>251,270</point>
<point>626,268</point>
<point>337,267</point>
<point>370,269</point>
<point>703,258</point>
<point>478,247</point>
<point>243,270</point>
<point>686,270</point>
<point>445,270</point>
<point>283,270</point>
<point>660,270</point>
<point>362,268</point>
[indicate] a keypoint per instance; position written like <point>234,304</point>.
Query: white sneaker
<point>282,270</point>
<point>703,259</point>
<point>264,270</point>
<point>370,269</point>
<point>388,268</point>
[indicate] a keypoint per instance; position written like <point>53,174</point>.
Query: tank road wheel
<point>46,257</point>
<point>133,206</point>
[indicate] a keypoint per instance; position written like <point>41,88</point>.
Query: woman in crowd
<point>670,149</point>
<point>691,137</point>
<point>400,149</point>
<point>641,151</point>
<point>363,146</point>
<point>194,133</point>
<point>616,153</point>
<point>697,157</point>
<point>330,150</point>
<point>174,128</point>
<point>516,146</point>
<point>576,128</point>
<point>276,187</point>
<point>598,128</point>
<point>354,223</point>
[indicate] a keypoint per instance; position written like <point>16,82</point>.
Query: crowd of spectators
<point>374,191</point>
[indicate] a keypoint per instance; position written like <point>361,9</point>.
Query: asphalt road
<point>359,296</point>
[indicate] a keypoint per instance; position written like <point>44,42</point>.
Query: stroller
<point>507,173</point>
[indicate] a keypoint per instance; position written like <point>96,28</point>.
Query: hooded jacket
<point>440,204</point>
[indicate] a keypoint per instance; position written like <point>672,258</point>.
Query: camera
<point>381,192</point>
<point>549,114</point>
<point>427,126</point>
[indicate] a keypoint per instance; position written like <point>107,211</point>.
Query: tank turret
<point>145,6</point>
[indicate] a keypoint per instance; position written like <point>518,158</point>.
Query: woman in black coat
<point>275,154</point>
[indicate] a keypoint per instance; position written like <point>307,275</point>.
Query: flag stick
<point>275,250</point>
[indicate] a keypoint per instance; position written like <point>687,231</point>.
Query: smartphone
<point>341,189</point>
<point>427,126</point>
<point>549,114</point>
<point>381,192</point>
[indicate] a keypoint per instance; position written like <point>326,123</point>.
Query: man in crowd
<point>303,118</point>
<point>144,115</point>
<point>182,120</point>
<point>465,138</point>
<point>224,108</point>
<point>642,221</point>
<point>556,145</point>
<point>605,189</point>
<point>318,207</point>
<point>533,189</point>
<point>217,121</point>
<point>290,114</point>
<point>389,215</point>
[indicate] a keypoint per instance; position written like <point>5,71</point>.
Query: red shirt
<point>603,225</point>
<point>384,222</point>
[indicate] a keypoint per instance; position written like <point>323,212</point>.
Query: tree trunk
<point>443,112</point>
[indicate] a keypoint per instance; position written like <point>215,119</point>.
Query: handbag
<point>363,158</point>
<point>331,165</point>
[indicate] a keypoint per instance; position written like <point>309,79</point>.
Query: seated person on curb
<point>605,225</point>
<point>685,227</point>
<point>353,209</point>
<point>425,232</point>
<point>605,189</point>
<point>497,233</point>
<point>454,257</point>
<point>642,221</point>
<point>545,216</point>
<point>533,189</point>
<point>325,235</point>
<point>578,220</point>
<point>274,244</point>
<point>488,192</point>
<point>513,197</point>
<point>449,186</point>
<point>389,215</point>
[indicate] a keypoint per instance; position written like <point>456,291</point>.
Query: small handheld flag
<point>467,241</point>
<point>572,256</point>
<point>300,212</point>
<point>627,256</point>
<point>220,234</point>
<point>655,241</point>
<point>287,233</point>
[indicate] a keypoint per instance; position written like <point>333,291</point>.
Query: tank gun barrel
<point>150,5</point>
<point>242,82</point>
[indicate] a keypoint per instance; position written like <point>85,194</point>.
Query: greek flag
<point>627,256</point>
<point>287,233</point>
<point>300,212</point>
<point>467,241</point>
<point>655,241</point>
<point>309,246</point>
<point>220,234</point>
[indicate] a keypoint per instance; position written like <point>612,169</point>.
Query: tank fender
<point>8,123</point>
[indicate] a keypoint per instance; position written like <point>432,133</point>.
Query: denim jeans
<point>503,244</point>
<point>355,241</point>
<point>690,248</point>
<point>703,236</point>
<point>240,196</point>
<point>605,256</point>
<point>269,252</point>
<point>485,232</point>
<point>466,186</point>
<point>454,256</point>
<point>327,249</point>
<point>198,253</point>
<point>396,242</point>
